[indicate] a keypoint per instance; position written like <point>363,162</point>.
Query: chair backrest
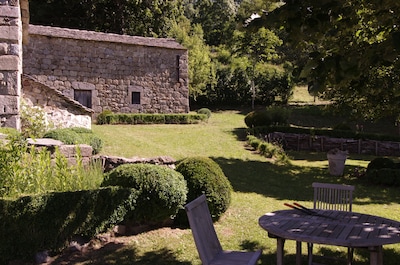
<point>205,237</point>
<point>333,196</point>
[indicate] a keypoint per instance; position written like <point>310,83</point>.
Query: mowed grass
<point>259,186</point>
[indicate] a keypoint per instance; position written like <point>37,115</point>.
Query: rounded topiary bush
<point>257,118</point>
<point>379,163</point>
<point>204,176</point>
<point>205,111</point>
<point>162,190</point>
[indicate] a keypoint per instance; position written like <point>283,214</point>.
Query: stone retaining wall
<point>306,142</point>
<point>112,69</point>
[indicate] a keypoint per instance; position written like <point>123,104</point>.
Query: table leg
<point>375,255</point>
<point>280,242</point>
<point>298,252</point>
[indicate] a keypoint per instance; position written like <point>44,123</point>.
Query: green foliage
<point>268,150</point>
<point>323,132</point>
<point>204,176</point>
<point>205,111</point>
<point>162,190</point>
<point>342,127</point>
<point>379,163</point>
<point>133,118</point>
<point>26,170</point>
<point>350,51</point>
<point>102,117</point>
<point>140,18</point>
<point>271,116</point>
<point>76,135</point>
<point>33,121</point>
<point>48,222</point>
<point>200,67</point>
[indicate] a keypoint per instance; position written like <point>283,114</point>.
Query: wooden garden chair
<point>332,197</point>
<point>207,242</point>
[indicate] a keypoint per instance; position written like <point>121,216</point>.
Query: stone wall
<point>10,62</point>
<point>111,68</point>
<point>61,111</point>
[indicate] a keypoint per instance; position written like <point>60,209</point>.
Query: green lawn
<point>259,187</point>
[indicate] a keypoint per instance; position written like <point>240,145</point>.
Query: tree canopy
<point>352,47</point>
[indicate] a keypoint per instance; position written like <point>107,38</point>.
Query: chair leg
<point>310,255</point>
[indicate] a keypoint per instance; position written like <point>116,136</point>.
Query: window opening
<point>84,97</point>
<point>178,58</point>
<point>135,97</point>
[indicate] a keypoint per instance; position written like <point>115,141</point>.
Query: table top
<point>348,229</point>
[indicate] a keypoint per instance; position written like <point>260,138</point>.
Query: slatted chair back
<point>205,237</point>
<point>333,196</point>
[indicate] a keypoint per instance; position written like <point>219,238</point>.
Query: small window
<point>135,97</point>
<point>178,66</point>
<point>84,97</point>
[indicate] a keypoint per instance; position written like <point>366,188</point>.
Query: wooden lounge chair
<point>207,242</point>
<point>332,197</point>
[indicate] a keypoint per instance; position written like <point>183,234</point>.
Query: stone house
<point>77,73</point>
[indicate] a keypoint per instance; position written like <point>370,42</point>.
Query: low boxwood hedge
<point>144,118</point>
<point>47,222</point>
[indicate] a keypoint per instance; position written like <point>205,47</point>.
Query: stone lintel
<point>9,11</point>
<point>9,63</point>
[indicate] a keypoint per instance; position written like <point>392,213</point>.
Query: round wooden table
<point>338,228</point>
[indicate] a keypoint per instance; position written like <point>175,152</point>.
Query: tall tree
<point>133,17</point>
<point>353,50</point>
<point>201,72</point>
<point>217,18</point>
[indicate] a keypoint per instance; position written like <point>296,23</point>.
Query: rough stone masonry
<point>11,25</point>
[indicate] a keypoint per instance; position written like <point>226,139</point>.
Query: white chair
<point>332,197</point>
<point>207,242</point>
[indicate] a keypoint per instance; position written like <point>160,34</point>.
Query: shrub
<point>257,118</point>
<point>269,150</point>
<point>253,141</point>
<point>76,135</point>
<point>342,127</point>
<point>34,122</point>
<point>162,190</point>
<point>48,222</point>
<point>102,117</point>
<point>273,115</point>
<point>145,118</point>
<point>384,176</point>
<point>205,111</point>
<point>204,176</point>
<point>27,170</point>
<point>379,163</point>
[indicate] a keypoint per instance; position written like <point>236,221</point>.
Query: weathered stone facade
<point>114,72</point>
<point>61,111</point>
<point>11,60</point>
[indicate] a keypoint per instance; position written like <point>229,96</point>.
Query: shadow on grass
<point>114,253</point>
<point>290,182</point>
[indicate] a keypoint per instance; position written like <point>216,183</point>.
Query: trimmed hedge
<point>140,118</point>
<point>383,171</point>
<point>47,222</point>
<point>162,190</point>
<point>204,176</point>
<point>76,135</point>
